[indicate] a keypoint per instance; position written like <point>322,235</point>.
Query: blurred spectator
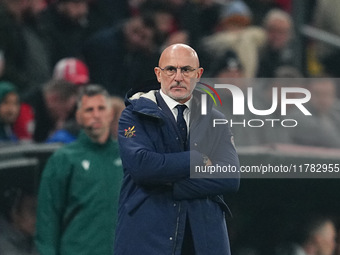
<point>16,119</point>
<point>37,62</point>
<point>24,125</point>
<point>234,15</point>
<point>323,127</point>
<point>284,76</point>
<point>227,66</point>
<point>17,224</point>
<point>76,72</point>
<point>181,17</point>
<point>79,189</point>
<point>11,37</point>
<point>66,134</point>
<point>260,9</point>
<point>20,46</point>
<point>228,70</point>
<point>53,105</point>
<point>163,17</point>
<point>209,13</point>
<point>71,129</point>
<point>177,37</point>
<point>123,56</point>
<point>278,50</point>
<point>180,21</point>
<point>314,236</point>
<point>9,111</point>
<point>64,26</point>
<point>327,18</point>
<point>186,19</point>
<point>72,70</point>
<point>235,33</point>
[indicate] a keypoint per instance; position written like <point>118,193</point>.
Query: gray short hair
<point>93,90</point>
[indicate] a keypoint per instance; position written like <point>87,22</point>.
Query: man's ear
<point>158,74</point>
<point>199,73</point>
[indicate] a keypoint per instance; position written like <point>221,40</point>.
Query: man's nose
<point>96,113</point>
<point>179,75</point>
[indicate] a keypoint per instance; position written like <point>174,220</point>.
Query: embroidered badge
<point>117,162</point>
<point>86,164</point>
<point>130,132</point>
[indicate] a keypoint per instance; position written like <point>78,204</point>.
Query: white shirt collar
<point>171,103</point>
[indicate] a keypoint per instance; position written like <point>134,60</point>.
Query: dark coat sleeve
<point>218,146</point>
<point>141,158</point>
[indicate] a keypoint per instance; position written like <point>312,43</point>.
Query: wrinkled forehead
<point>179,56</point>
<point>95,101</point>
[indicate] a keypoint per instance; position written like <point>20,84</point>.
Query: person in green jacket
<point>79,188</point>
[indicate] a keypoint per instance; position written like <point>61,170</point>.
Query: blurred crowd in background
<point>48,49</point>
<point>51,48</point>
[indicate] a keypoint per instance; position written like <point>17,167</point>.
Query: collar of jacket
<point>146,103</point>
<point>87,141</point>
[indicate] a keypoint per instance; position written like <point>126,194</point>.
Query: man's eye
<point>171,69</point>
<point>185,69</point>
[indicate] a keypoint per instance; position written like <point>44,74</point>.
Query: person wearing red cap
<point>75,72</point>
<point>72,70</point>
<point>53,104</point>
